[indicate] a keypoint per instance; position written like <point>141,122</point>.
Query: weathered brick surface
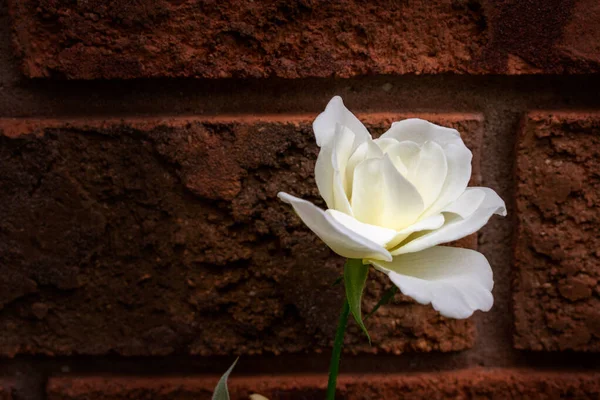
<point>210,39</point>
<point>557,256</point>
<point>466,384</point>
<point>164,236</point>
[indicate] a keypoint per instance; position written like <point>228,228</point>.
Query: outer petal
<point>455,281</point>
<point>339,238</point>
<point>342,150</point>
<point>339,133</point>
<point>331,166</point>
<point>377,234</point>
<point>457,227</point>
<point>324,175</point>
<point>421,131</point>
<point>336,113</point>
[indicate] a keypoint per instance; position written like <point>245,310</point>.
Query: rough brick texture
<point>208,39</point>
<point>164,236</point>
<point>557,250</point>
<point>466,384</point>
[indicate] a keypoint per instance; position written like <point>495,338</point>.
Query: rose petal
<point>421,131</point>
<point>467,203</point>
<point>343,143</point>
<point>377,234</point>
<point>339,133</point>
<point>404,155</point>
<point>330,169</point>
<point>384,144</point>
<point>339,238</point>
<point>458,156</point>
<point>336,113</point>
<point>456,227</point>
<point>429,223</point>
<point>324,175</point>
<point>429,173</point>
<point>367,191</point>
<point>402,202</point>
<point>382,196</point>
<point>365,151</point>
<point>455,281</point>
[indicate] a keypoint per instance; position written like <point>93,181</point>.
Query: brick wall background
<point>142,144</point>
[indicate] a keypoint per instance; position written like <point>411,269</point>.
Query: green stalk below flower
<point>334,365</point>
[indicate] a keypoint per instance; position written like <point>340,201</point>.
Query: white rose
<point>392,200</point>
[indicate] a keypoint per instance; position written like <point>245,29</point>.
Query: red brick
<point>165,236</point>
<point>557,259</point>
<point>465,384</point>
<point>276,38</point>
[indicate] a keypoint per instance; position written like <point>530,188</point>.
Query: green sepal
<point>355,277</point>
<point>221,392</point>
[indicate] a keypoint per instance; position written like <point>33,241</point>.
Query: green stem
<point>334,366</point>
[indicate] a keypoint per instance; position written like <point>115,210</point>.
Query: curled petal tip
<point>336,98</point>
<point>283,196</point>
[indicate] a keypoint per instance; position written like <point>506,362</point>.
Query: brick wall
<point>142,144</point>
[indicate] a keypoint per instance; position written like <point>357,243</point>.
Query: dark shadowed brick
<point>465,384</point>
<point>557,249</point>
<point>6,389</point>
<point>276,38</point>
<point>165,236</point>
